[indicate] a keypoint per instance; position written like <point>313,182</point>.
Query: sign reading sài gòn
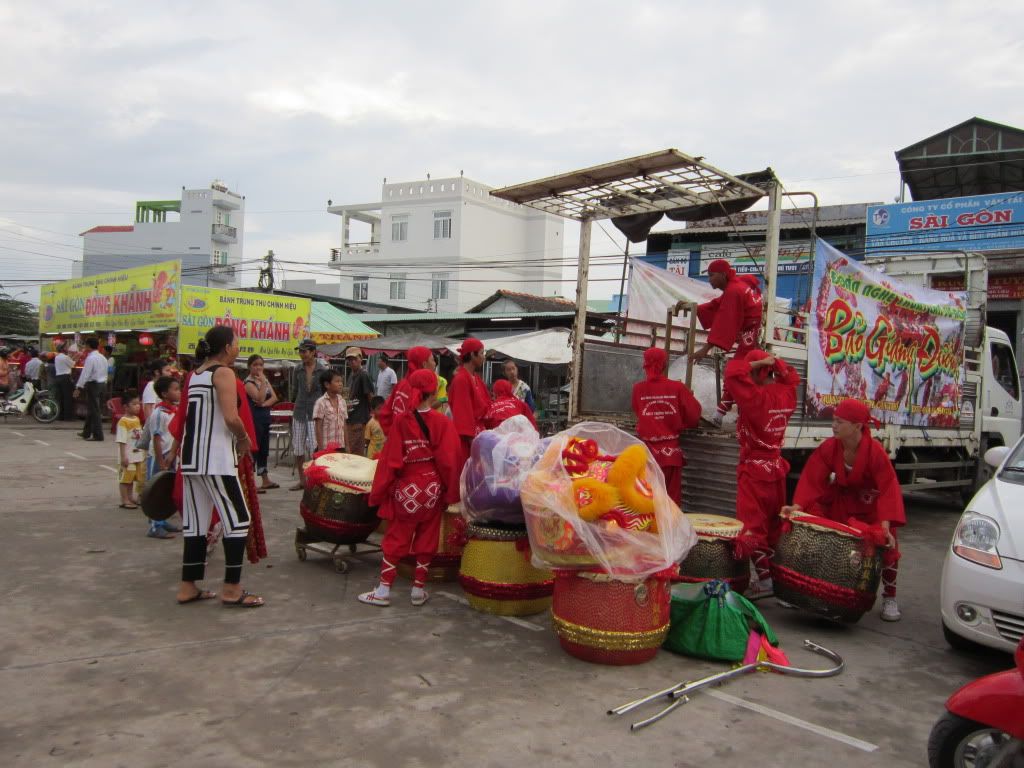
<point>135,298</point>
<point>264,324</point>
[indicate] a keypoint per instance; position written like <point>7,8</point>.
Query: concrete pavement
<point>99,667</point>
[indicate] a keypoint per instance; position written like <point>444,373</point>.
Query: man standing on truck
<point>764,388</point>
<point>664,408</point>
<point>732,319</point>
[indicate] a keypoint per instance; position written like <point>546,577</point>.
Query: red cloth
<point>732,318</point>
<point>419,538</point>
<point>469,400</point>
<point>399,400</point>
<point>721,266</point>
<point>663,408</point>
<point>505,406</point>
<point>469,346</point>
<point>869,492</point>
<point>853,411</point>
<point>417,478</point>
<point>674,483</point>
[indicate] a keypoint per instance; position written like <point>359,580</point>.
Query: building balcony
<point>223,273</point>
<point>353,251</point>
<point>222,233</point>
<point>227,203</point>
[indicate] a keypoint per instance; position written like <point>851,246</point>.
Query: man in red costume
<point>505,406</point>
<point>664,408</point>
<point>764,388</point>
<point>850,479</point>
<point>467,396</point>
<point>417,477</point>
<point>399,400</point>
<point>732,319</point>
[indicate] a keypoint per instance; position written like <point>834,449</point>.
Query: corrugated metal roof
<point>326,318</point>
<point>427,317</point>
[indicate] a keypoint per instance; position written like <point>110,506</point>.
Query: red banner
<point>999,286</point>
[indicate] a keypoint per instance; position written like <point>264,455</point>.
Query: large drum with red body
<point>606,621</point>
<point>334,504</point>
<point>826,567</point>
<point>713,555</point>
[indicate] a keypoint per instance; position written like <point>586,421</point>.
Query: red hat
<point>759,374</point>
<point>655,359</point>
<point>423,383</point>
<point>721,266</point>
<point>855,412</point>
<point>470,346</point>
<point>417,356</point>
<point>502,388</point>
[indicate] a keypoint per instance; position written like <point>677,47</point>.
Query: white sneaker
<point>890,609</point>
<point>716,418</point>
<point>372,598</point>
<point>759,589</point>
<point>419,596</point>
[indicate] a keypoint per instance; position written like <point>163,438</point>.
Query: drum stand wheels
<point>307,542</point>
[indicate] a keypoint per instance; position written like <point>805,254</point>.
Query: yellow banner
<point>266,325</point>
<point>134,298</point>
<point>340,338</point>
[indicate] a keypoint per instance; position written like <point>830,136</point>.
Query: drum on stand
<point>334,504</point>
<point>444,566</point>
<point>712,557</point>
<point>826,568</point>
<point>497,574</point>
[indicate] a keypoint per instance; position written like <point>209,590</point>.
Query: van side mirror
<point>994,456</point>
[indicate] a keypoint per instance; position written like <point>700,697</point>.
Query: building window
<point>220,258</point>
<point>439,284</point>
<point>442,225</point>
<point>360,287</point>
<point>400,227</point>
<point>398,285</point>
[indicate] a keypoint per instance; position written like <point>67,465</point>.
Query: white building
<point>203,229</point>
<point>445,245</point>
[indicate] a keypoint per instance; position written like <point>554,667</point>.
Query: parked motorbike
<point>28,399</point>
<point>983,726</point>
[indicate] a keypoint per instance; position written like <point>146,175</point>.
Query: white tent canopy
<point>547,347</point>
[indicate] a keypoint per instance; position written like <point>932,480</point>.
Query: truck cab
<point>1000,396</point>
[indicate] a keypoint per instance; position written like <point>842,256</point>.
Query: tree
<point>18,317</point>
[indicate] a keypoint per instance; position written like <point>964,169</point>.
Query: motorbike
<point>28,399</point>
<point>983,726</point>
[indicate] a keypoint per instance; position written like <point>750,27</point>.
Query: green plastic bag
<point>710,621</point>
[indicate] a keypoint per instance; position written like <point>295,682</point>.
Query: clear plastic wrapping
<point>596,499</point>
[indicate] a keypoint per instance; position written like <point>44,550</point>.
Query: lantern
<point>145,339</point>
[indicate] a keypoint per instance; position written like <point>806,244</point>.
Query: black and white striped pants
<point>201,495</point>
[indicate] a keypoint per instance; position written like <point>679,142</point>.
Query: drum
<point>497,575</point>
<point>334,504</point>
<point>712,556</point>
<point>606,621</point>
<point>827,568</point>
<point>445,564</point>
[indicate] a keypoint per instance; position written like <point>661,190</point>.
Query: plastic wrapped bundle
<point>498,462</point>
<point>704,389</point>
<point>596,500</point>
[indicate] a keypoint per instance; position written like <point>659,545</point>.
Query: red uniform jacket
<point>398,402</point>
<point>663,409</point>
<point>417,475</point>
<point>764,412</point>
<point>869,492</point>
<point>505,408</point>
<point>733,318</point>
<point>469,400</point>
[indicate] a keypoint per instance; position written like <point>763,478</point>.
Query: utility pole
<point>266,281</point>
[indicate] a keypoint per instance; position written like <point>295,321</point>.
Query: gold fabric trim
<point>607,639</point>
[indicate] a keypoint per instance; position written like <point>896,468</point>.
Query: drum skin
<point>444,566</point>
<point>337,516</point>
<point>826,568</point>
<point>497,575</point>
<point>605,621</point>
<point>712,556</point>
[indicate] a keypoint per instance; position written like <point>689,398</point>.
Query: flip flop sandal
<point>240,602</point>
<point>270,487</point>
<point>370,598</point>
<point>202,594</point>
<point>261,490</point>
<point>128,506</point>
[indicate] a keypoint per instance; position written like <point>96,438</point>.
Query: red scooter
<point>983,726</point>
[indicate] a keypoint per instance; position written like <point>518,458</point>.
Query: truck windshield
<point>1005,368</point>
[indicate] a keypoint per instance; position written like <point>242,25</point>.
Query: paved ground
<point>99,667</point>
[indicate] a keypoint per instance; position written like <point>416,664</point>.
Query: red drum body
<point>445,564</point>
<point>712,556</point>
<point>605,621</point>
<point>826,568</point>
<point>334,505</point>
<point>497,576</point>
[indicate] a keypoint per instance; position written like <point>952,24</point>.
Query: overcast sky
<point>292,104</point>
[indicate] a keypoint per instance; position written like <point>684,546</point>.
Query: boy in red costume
<point>764,388</point>
<point>417,477</point>
<point>850,479</point>
<point>468,397</point>
<point>732,319</point>
<point>505,406</point>
<point>664,408</point>
<point>400,397</point>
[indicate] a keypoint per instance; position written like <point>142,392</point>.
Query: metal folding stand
<point>308,542</point>
<point>679,693</point>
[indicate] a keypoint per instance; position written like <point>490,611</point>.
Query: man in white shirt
<point>386,377</point>
<point>34,368</point>
<point>63,366</point>
<point>157,369</point>
<point>93,380</point>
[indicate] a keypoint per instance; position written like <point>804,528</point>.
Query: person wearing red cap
<point>663,409</point>
<point>850,479</point>
<point>468,397</point>
<point>731,320</point>
<point>399,400</point>
<point>417,477</point>
<point>505,406</point>
<point>764,388</point>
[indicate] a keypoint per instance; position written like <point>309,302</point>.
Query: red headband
<point>469,346</point>
<point>417,356</point>
<point>721,266</point>
<point>654,361</point>
<point>759,374</point>
<point>855,412</point>
<point>502,388</point>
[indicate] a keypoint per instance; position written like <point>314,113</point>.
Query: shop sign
<point>139,297</point>
<point>794,257</point>
<point>999,286</point>
<point>267,325</point>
